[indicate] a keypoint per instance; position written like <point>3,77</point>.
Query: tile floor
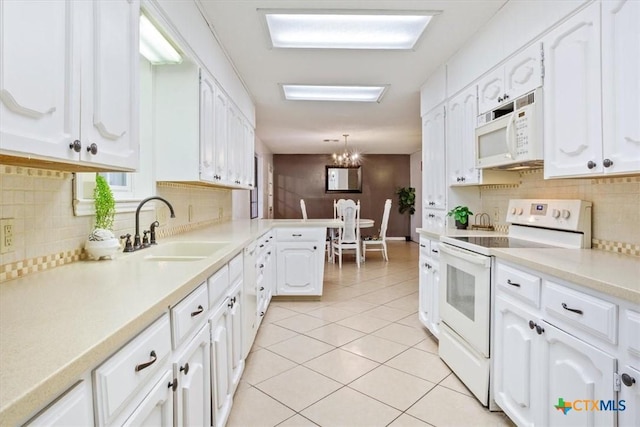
<point>357,357</point>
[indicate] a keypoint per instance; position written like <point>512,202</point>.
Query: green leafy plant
<point>460,214</point>
<point>406,200</point>
<point>105,204</point>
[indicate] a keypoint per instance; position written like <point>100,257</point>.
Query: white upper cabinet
<point>461,126</point>
<point>621,86</point>
<point>221,141</point>
<point>572,97</point>
<point>89,48</point>
<point>519,75</point>
<point>207,128</point>
<point>433,175</point>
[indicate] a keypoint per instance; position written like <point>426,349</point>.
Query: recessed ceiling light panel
<point>345,31</point>
<point>333,93</point>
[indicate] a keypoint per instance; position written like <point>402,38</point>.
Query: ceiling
<point>391,126</point>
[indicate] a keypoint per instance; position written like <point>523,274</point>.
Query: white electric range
<point>466,275</point>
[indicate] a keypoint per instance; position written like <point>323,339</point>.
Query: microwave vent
<point>525,100</point>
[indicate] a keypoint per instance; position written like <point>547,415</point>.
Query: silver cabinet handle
<point>144,365</point>
<point>573,310</point>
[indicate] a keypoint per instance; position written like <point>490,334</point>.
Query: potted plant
<point>406,203</point>
<point>461,215</point>
<point>102,242</point>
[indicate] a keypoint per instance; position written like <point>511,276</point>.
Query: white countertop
<point>57,324</point>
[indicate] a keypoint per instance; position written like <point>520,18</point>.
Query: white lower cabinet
<point>221,397</point>
<point>156,409</point>
<point>73,409</point>
<point>559,367</point>
<point>236,359</point>
<point>191,368</point>
<point>429,285</point>
<point>300,261</point>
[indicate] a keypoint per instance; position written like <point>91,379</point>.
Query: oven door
<point>465,295</point>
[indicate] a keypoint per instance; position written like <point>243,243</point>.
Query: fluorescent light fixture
<point>333,93</point>
<point>334,30</point>
<point>154,46</point>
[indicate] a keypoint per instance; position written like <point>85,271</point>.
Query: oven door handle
<point>477,259</point>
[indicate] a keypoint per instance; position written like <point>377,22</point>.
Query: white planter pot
<point>97,249</point>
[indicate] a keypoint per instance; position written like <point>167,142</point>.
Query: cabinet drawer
<point>189,313</point>
<point>523,286</point>
<point>300,234</point>
<point>130,369</point>
<point>588,313</point>
<point>631,339</point>
<point>235,268</point>
<point>425,246</point>
<point>218,284</point>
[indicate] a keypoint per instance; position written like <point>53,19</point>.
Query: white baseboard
<point>396,238</point>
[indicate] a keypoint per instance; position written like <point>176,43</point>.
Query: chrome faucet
<point>136,239</point>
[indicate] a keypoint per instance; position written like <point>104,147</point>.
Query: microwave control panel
<point>521,123</point>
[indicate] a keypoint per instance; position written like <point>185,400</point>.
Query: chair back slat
<point>303,208</point>
<point>385,219</point>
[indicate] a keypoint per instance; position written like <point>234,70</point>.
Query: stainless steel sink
<point>183,251</point>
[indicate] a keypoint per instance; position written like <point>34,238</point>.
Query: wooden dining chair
<point>379,241</point>
<point>303,208</point>
<point>349,234</point>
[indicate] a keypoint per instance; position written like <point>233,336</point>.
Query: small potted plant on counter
<point>461,215</point>
<point>102,243</point>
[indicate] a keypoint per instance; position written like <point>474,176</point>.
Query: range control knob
<point>555,213</point>
<point>513,211</point>
<point>566,213</point>
<point>520,211</point>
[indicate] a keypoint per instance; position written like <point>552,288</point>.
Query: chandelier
<point>346,158</point>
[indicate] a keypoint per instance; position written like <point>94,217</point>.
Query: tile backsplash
<point>616,204</point>
<point>47,233</point>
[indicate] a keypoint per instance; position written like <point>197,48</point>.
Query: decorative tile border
<point>22,268</point>
<point>32,172</point>
<point>618,247</point>
<point>188,227</point>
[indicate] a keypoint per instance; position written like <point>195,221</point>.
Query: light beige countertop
<point>607,272</point>
<point>57,324</point>
<point>453,232</point>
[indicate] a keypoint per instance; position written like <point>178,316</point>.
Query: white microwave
<point>510,136</point>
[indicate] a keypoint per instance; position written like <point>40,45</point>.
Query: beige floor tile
<point>263,364</point>
<point>270,334</point>
<point>443,407</point>
<point>299,387</point>
<point>405,420</point>
<point>429,344</point>
<point>297,421</point>
<point>386,313</point>
<point>300,348</point>
<point>453,382</point>
<point>425,365</point>
<point>407,303</point>
<point>341,365</point>
<point>299,306</point>
<point>364,323</point>
<point>349,408</point>
<point>374,348</point>
<point>412,320</point>
<point>335,334</point>
<point>401,334</point>
<point>355,305</point>
<point>251,407</point>
<point>301,323</point>
<point>275,313</point>
<point>330,313</point>
<point>393,387</point>
<point>380,297</point>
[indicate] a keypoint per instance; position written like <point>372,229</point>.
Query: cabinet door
<point>433,140</point>
<point>236,359</point>
<point>109,103</point>
<point>192,369</point>
<point>207,127</point>
<point>221,136</point>
<point>621,99</point>
<point>157,407</point>
<point>572,101</point>
<point>574,371</point>
<point>39,78</point>
<point>630,417</point>
<point>234,145</point>
<point>220,388</point>
<point>491,90</point>
<point>515,362</point>
<point>523,72</point>
<point>461,130</point>
<point>74,408</point>
<point>434,319</point>
<point>424,301</point>
<point>298,272</point>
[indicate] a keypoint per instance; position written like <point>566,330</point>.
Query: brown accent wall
<point>302,176</point>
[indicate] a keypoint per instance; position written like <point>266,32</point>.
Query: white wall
<point>415,165</point>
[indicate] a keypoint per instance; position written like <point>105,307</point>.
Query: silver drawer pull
<point>296,235</point>
<point>141,366</point>
<point>513,283</point>
<point>573,310</point>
